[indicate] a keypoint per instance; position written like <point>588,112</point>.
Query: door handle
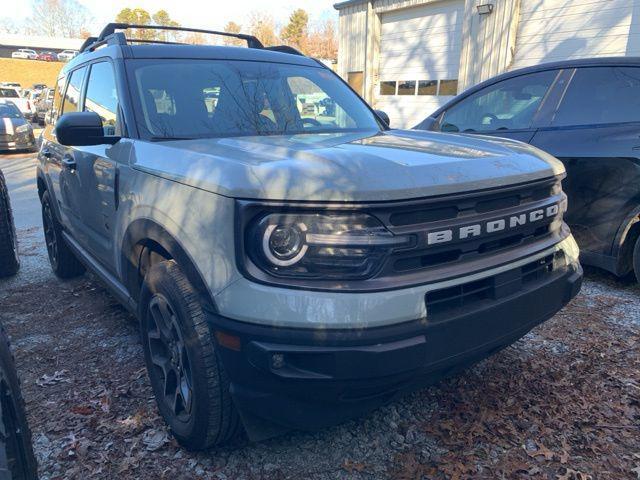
<point>46,153</point>
<point>69,162</point>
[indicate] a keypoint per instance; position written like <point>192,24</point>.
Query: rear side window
<point>507,105</point>
<point>102,97</point>
<point>72,96</point>
<point>8,93</point>
<point>600,95</point>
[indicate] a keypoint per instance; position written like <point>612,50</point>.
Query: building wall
<point>551,30</point>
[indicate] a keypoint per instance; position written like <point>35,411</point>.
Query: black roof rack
<point>110,29</point>
<point>285,49</point>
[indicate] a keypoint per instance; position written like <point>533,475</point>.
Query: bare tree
<point>58,18</point>
<point>233,27</point>
<point>263,26</point>
<point>323,42</point>
<point>7,25</point>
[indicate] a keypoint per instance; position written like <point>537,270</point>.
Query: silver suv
<point>293,262</point>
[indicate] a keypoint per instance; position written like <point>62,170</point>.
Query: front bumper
<point>17,142</point>
<point>308,378</point>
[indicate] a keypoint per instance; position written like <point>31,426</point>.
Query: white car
<point>25,53</point>
<point>66,55</point>
<point>12,94</point>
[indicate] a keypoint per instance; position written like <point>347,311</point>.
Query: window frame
<point>541,116</point>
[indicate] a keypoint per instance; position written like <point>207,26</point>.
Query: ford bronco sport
<point>291,267</point>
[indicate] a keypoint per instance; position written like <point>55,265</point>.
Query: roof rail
<point>285,49</point>
<point>87,42</point>
<point>110,29</point>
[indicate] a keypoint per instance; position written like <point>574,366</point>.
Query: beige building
<point>408,57</point>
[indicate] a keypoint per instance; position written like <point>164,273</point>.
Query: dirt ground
<point>562,403</point>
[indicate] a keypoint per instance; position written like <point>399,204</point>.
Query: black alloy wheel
<point>169,357</point>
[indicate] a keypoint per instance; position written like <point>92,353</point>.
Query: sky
<point>212,14</point>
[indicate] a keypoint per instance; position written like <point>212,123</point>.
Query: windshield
<point>213,98</point>
<point>9,111</point>
<point>9,93</point>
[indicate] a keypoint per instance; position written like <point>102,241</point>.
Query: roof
<point>209,52</point>
<point>40,42</point>
<point>348,3</point>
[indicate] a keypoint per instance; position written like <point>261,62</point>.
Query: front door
<point>96,167</point>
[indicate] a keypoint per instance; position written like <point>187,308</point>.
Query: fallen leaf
<point>57,377</point>
<point>155,439</point>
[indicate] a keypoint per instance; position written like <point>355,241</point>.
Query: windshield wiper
<point>162,139</point>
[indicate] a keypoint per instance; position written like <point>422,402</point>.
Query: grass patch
<point>28,72</point>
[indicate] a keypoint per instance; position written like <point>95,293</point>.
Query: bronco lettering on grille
<point>491,226</point>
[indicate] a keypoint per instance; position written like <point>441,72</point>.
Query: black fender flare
<point>145,232</point>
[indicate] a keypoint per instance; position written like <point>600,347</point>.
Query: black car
<point>587,114</point>
<point>16,133</point>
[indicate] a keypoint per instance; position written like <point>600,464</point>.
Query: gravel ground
<point>562,403</point>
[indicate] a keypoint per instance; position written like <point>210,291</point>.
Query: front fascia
<point>248,301</point>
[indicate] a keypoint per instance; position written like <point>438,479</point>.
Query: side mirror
<point>383,116</point>
<point>79,129</point>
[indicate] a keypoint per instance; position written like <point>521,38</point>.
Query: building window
<point>387,88</point>
<point>356,81</point>
<point>448,87</point>
<point>407,87</point>
<point>427,87</point>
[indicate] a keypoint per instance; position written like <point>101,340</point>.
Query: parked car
<point>11,84</point>
<point>9,258</point>
<point>43,105</point>
<point>48,56</point>
<point>25,53</point>
<point>587,114</point>
<point>67,55</point>
<point>289,273</point>
<point>16,133</point>
<point>14,95</point>
<point>38,86</point>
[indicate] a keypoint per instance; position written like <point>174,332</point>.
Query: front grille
<point>449,302</point>
<point>463,255</point>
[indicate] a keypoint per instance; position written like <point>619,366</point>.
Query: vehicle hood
<point>8,125</point>
<point>370,166</point>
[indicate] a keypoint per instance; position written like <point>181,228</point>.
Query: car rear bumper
<point>286,378</point>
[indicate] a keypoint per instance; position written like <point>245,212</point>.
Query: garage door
<point>419,60</point>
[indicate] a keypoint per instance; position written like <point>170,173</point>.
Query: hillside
<point>28,72</point>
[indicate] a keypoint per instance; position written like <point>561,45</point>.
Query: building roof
<point>348,3</point>
<point>41,42</point>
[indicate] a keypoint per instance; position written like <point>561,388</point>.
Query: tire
<point>178,344</point>
<point>16,452</point>
<point>63,261</point>
<point>636,259</point>
<point>9,259</point>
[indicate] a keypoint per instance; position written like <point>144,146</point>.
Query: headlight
<point>320,246</point>
<point>23,128</point>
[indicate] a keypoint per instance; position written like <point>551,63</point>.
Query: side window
<point>58,93</point>
<point>71,101</point>
<point>316,107</point>
<point>507,105</point>
<point>599,95</point>
<point>102,96</point>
